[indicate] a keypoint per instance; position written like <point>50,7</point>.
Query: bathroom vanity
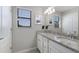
<point>55,43</point>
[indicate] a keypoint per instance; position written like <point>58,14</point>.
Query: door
<point>6,22</point>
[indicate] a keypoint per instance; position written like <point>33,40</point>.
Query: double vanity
<point>56,43</point>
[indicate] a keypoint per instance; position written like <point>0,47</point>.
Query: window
<point>24,18</point>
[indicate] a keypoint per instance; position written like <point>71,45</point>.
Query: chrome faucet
<point>70,35</point>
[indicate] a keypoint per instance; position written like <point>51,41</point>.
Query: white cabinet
<point>40,43</point>
<point>57,48</point>
<point>45,45</point>
<point>52,47</point>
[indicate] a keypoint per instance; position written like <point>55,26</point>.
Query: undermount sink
<point>61,37</point>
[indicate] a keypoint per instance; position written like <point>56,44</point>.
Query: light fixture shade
<point>49,10</point>
<point>53,10</point>
<point>46,11</point>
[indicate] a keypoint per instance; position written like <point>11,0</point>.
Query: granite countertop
<point>64,41</point>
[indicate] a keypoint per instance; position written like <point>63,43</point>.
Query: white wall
<point>70,21</point>
<point>24,38</point>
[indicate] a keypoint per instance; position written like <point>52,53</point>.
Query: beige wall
<point>24,38</point>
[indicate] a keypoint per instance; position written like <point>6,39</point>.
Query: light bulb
<point>53,10</point>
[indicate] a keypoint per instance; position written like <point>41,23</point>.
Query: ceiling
<point>60,8</point>
<point>64,8</point>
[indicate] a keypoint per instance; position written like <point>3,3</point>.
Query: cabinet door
<point>39,42</point>
<point>52,47</point>
<point>45,45</point>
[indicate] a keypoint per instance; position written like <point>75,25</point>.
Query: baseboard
<point>26,50</point>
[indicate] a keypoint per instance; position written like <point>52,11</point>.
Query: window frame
<point>23,17</point>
